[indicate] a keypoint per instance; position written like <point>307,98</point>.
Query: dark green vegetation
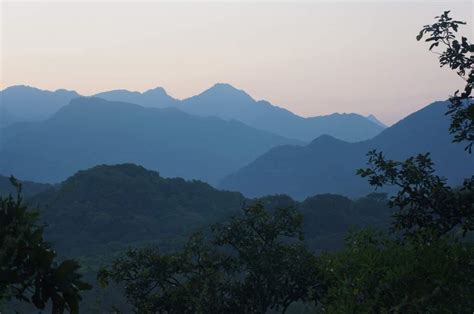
<point>327,165</point>
<point>102,211</point>
<point>427,206</point>
<point>29,270</point>
<point>421,265</point>
<point>252,264</point>
<point>377,274</point>
<point>112,207</point>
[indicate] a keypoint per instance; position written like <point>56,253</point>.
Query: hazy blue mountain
<point>156,97</point>
<point>374,119</point>
<point>227,102</point>
<point>328,165</point>
<point>92,131</point>
<point>6,118</point>
<point>23,103</point>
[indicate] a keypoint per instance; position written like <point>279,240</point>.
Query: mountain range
<point>227,102</point>
<point>22,103</point>
<point>156,98</point>
<point>328,165</point>
<point>210,137</point>
<point>91,131</point>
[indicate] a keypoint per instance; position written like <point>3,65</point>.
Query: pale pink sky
<point>310,57</point>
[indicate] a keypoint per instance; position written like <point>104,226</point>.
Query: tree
<point>425,268</point>
<point>379,274</point>
<point>426,207</point>
<point>28,270</point>
<point>458,55</point>
<point>250,264</point>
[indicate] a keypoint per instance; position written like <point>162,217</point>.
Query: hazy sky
<point>310,57</point>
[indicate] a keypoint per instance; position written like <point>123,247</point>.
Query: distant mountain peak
<point>325,139</point>
<point>226,90</point>
<point>374,119</point>
<point>156,90</point>
<point>155,97</point>
<point>224,86</point>
<point>339,114</point>
<point>20,87</point>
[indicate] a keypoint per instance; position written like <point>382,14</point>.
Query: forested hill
<point>108,208</point>
<point>115,206</point>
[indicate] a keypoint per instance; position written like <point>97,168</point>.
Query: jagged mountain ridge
<point>221,100</point>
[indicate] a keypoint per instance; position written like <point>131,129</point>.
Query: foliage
<point>251,264</point>
<point>424,269</point>
<point>109,208</point>
<point>112,207</point>
<point>28,270</point>
<point>378,274</point>
<point>426,205</point>
<point>458,55</point>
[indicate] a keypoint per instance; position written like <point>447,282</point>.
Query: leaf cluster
<point>379,274</point>
<point>28,269</point>
<point>458,54</point>
<point>252,264</point>
<point>426,206</point>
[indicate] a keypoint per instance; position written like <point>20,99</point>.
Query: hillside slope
<point>227,102</point>
<point>109,208</point>
<point>24,103</point>
<point>92,131</point>
<point>328,165</point>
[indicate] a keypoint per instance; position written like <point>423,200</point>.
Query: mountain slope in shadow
<point>328,165</point>
<point>92,131</point>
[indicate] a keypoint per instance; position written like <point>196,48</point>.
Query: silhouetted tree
<point>28,270</point>
<point>425,205</point>
<point>376,273</point>
<point>423,269</point>
<point>458,55</point>
<point>252,264</point>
